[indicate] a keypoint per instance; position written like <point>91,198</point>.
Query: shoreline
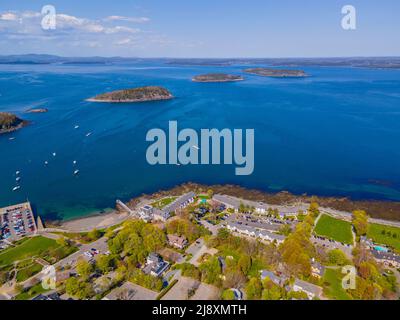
<point>377,209</point>
<point>23,124</point>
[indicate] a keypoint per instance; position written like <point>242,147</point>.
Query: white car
<point>88,254</point>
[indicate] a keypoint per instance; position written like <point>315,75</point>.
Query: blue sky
<point>206,28</point>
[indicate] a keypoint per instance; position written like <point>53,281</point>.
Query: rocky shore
<point>10,122</point>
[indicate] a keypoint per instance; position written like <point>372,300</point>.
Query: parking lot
<point>16,221</point>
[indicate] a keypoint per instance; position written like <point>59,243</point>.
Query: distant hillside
<point>134,95</point>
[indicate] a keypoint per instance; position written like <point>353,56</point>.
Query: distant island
<point>141,94</point>
<point>38,110</point>
<point>276,73</point>
<point>217,77</point>
<point>10,122</point>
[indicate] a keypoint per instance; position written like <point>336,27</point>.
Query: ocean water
<point>335,133</point>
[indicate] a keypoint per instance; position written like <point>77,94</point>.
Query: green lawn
<point>163,202</point>
<point>29,271</point>
<point>386,235</point>
<point>333,285</point>
<point>31,293</point>
<point>335,229</point>
<point>31,247</point>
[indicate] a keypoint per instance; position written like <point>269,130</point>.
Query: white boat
<point>74,162</point>
<point>76,172</point>
<point>18,179</point>
<point>17,172</point>
<point>76,127</point>
<point>46,163</point>
<point>54,154</point>
<point>88,134</point>
<point>12,138</point>
<point>16,188</point>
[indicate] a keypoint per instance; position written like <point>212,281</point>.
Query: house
<point>180,203</point>
<point>389,259</point>
<point>317,270</point>
<point>155,265</point>
<point>253,232</point>
<point>146,213</point>
<point>177,241</point>
<point>278,280</point>
<point>308,288</point>
<point>161,215</point>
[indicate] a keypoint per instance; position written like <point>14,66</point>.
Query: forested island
<point>10,122</point>
<point>217,77</point>
<point>141,94</point>
<point>276,73</point>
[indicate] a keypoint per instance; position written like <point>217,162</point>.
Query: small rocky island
<point>141,94</point>
<point>10,122</point>
<point>216,77</point>
<point>277,73</point>
<point>38,110</point>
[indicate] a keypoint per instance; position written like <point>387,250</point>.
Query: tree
<point>63,242</point>
<point>94,234</point>
<point>84,268</point>
<point>337,257</point>
<point>210,193</point>
<point>244,264</point>
<point>360,222</point>
<point>105,263</point>
<point>254,289</point>
<point>228,295</point>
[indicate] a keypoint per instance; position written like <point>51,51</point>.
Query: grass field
<point>163,202</point>
<point>386,235</point>
<point>335,229</point>
<point>31,293</point>
<point>31,247</point>
<point>333,285</point>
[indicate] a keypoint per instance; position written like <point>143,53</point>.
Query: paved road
<point>100,245</point>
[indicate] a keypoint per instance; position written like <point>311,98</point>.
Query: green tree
<point>254,289</point>
<point>228,295</point>
<point>84,268</point>
<point>337,257</point>
<point>360,222</point>
<point>244,264</point>
<point>105,263</point>
<point>94,234</point>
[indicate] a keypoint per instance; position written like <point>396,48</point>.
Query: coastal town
<point>200,245</point>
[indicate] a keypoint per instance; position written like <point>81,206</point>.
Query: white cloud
<point>128,19</point>
<point>8,16</point>
<point>119,29</point>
